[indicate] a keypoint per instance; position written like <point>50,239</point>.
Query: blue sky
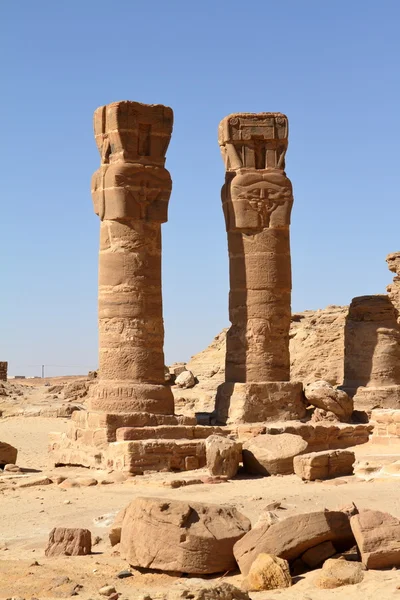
<point>332,67</point>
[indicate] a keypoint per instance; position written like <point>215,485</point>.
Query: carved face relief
<point>258,200</point>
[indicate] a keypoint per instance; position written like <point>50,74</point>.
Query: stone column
<point>257,201</point>
<point>3,371</point>
<point>130,193</point>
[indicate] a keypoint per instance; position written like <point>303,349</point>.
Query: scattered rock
<point>8,454</point>
<point>185,380</point>
<point>324,465</point>
<point>177,368</point>
<point>272,454</point>
<point>378,538</point>
<point>69,542</point>
<point>39,480</point>
<point>124,574</point>
<point>115,531</point>
<point>200,589</point>
<point>323,395</point>
<point>12,469</point>
<point>337,572</point>
<point>320,415</point>
<point>107,590</point>
<point>69,483</point>
<point>290,538</point>
<point>267,572</point>
<point>314,557</point>
<point>223,455</point>
<point>174,535</point>
<point>86,481</point>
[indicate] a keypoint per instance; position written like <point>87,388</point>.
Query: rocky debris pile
<point>223,455</point>
<point>8,454</point>
<point>173,535</point>
<point>272,454</point>
<point>334,402</point>
<point>69,542</point>
<point>324,465</point>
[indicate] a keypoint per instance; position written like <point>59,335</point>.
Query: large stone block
<point>272,454</point>
<point>324,465</point>
<point>8,454</point>
<point>69,542</point>
<point>223,455</point>
<point>258,402</point>
<point>378,538</point>
<point>290,538</point>
<point>173,535</point>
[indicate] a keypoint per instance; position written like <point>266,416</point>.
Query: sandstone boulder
<point>267,572</point>
<point>293,536</point>
<point>8,454</point>
<point>318,554</point>
<point>324,465</point>
<point>199,589</point>
<point>69,542</point>
<point>173,535</point>
<point>185,380</point>
<point>272,454</point>
<point>323,395</point>
<point>378,538</point>
<point>223,455</point>
<point>337,572</point>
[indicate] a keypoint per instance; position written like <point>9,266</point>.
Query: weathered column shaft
<point>257,200</point>
<point>130,193</point>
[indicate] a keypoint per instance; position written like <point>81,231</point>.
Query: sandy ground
<point>28,514</point>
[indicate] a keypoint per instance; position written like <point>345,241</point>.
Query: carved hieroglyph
<point>130,194</point>
<point>257,200</point>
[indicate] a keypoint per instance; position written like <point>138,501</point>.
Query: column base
<point>130,397</point>
<point>367,398</point>
<point>132,442</point>
<point>260,402</point>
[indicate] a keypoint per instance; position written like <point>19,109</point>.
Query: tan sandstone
<point>323,395</point>
<point>174,535</point>
<point>378,538</point>
<point>223,455</point>
<point>272,454</point>
<point>69,542</point>
<point>292,537</point>
<point>337,572</point>
<point>324,465</point>
<point>8,454</point>
<point>267,572</point>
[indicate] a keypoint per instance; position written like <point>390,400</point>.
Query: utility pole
<point>42,371</point>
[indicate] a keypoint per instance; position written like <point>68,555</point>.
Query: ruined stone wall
<point>3,371</point>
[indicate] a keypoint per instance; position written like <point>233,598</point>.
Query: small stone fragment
<point>69,542</point>
<point>223,455</point>
<point>107,590</point>
<point>185,380</point>
<point>267,572</point>
<point>124,574</point>
<point>337,572</point>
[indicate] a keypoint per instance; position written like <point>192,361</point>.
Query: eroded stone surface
<point>323,395</point>
<point>267,572</point>
<point>223,455</point>
<point>324,465</point>
<point>69,542</point>
<point>8,454</point>
<point>378,538</point>
<point>272,454</point>
<point>292,537</point>
<point>173,535</point>
<point>337,572</point>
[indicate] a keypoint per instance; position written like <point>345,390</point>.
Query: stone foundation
<point>387,426</point>
<point>3,371</point>
<point>259,402</point>
<point>132,442</point>
<point>367,398</point>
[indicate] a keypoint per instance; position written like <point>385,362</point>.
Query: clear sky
<point>331,66</point>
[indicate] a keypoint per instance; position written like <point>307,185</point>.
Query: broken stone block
<point>200,589</point>
<point>114,533</point>
<point>267,572</point>
<point>185,379</point>
<point>337,572</point>
<point>223,455</point>
<point>69,542</point>
<point>293,536</point>
<point>378,538</point>
<point>324,465</point>
<point>323,395</point>
<point>174,535</point>
<point>314,557</point>
<point>272,454</point>
<point>8,454</point>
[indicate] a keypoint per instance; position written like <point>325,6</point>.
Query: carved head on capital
<point>257,200</point>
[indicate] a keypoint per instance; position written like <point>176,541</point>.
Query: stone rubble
<point>272,454</point>
<point>324,465</point>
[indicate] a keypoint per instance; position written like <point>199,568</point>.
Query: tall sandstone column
<point>130,193</point>
<point>257,201</point>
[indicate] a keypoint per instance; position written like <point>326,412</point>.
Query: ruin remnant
<point>3,371</point>
<point>257,201</point>
<point>130,194</point>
